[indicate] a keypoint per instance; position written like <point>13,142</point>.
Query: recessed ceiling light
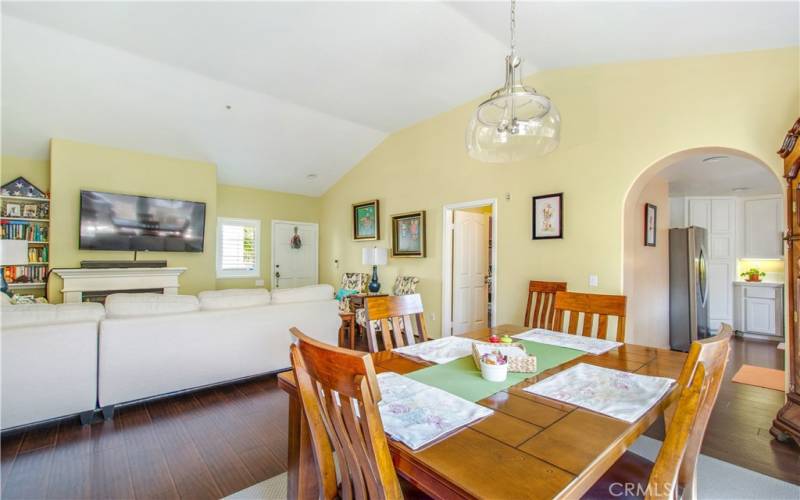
<point>227,106</point>
<point>712,159</point>
<point>740,189</point>
<point>311,177</point>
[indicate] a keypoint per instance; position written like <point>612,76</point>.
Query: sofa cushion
<point>233,298</point>
<point>302,294</point>
<point>37,314</point>
<point>124,305</point>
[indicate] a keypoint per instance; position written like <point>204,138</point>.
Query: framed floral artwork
<point>366,220</point>
<point>408,234</point>
<point>548,216</point>
<point>650,212</point>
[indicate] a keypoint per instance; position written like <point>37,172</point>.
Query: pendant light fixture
<point>516,122</point>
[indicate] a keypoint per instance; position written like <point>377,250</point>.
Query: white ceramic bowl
<point>494,373</point>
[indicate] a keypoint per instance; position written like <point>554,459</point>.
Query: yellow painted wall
<point>75,166</point>
<point>617,120</point>
<point>246,203</point>
<point>36,171</point>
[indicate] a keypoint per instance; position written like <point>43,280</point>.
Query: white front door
<point>470,271</point>
<point>294,264</point>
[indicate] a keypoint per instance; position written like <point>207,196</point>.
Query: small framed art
<point>548,216</point>
<point>650,212</point>
<point>366,220</point>
<point>408,234</point>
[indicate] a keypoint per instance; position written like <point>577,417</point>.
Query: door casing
<point>447,261</point>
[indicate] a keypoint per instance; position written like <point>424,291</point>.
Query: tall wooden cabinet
<point>787,423</point>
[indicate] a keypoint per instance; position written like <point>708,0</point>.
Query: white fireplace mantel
<point>78,281</point>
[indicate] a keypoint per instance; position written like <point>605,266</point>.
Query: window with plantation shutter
<point>238,248</point>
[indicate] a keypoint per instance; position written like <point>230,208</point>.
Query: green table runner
<point>462,378</point>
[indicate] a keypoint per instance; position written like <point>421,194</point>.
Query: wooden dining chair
<point>544,309</point>
<point>339,393</point>
<point>401,321</point>
<point>672,475</point>
<point>588,305</point>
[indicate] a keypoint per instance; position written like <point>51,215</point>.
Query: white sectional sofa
<point>65,359</point>
<point>49,361</point>
<point>145,352</point>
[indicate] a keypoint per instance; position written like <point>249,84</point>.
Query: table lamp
<point>374,257</point>
<point>12,253</point>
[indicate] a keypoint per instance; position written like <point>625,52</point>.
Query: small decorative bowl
<point>494,373</point>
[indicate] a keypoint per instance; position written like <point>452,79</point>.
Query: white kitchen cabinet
<point>758,308</point>
<point>717,215</point>
<point>763,228</point>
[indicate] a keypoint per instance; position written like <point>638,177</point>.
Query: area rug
<point>273,488</point>
<point>769,378</point>
<point>716,480</point>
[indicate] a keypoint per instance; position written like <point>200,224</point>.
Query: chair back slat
<point>700,382</point>
<point>602,326</point>
<point>590,305</point>
<point>397,331</point>
<point>333,382</point>
<point>543,313</point>
<point>397,316</point>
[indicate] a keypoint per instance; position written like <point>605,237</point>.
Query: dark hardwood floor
<point>215,442</point>
<point>206,444</point>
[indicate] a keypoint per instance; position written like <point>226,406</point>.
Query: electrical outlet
<point>433,316</point>
<point>594,281</point>
<point>508,196</point>
<point>259,282</point>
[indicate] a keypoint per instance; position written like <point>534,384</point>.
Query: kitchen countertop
<point>774,284</point>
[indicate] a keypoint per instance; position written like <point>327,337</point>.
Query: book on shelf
<point>25,274</point>
<point>39,254</point>
<point>22,230</point>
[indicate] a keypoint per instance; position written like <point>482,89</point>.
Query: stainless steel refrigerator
<point>688,287</point>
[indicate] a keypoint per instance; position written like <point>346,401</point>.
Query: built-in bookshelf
<point>27,219</point>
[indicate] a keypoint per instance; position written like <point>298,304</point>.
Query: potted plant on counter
<point>752,275</point>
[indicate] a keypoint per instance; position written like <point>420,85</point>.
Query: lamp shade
<point>13,252</point>
<point>374,256</point>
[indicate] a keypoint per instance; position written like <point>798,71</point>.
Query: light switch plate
<point>594,281</point>
<point>259,282</point>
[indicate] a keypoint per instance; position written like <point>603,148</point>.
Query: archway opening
<point>738,202</point>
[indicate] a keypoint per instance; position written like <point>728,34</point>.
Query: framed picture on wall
<point>366,220</point>
<point>408,234</point>
<point>548,217</point>
<point>650,211</point>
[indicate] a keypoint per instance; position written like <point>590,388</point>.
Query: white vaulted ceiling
<point>312,87</point>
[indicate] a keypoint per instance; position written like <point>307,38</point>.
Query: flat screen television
<point>112,221</point>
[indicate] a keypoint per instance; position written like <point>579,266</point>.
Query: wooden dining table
<point>530,447</point>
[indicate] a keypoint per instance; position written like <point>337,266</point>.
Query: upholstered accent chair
<point>353,281</point>
<point>403,285</point>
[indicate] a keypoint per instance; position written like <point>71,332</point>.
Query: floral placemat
<point>417,414</point>
<point>586,344</point>
<point>618,394</point>
<point>439,351</point>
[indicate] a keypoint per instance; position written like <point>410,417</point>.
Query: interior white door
<point>293,267</point>
<point>470,271</point>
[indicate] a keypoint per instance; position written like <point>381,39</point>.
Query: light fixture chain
<point>513,27</point>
